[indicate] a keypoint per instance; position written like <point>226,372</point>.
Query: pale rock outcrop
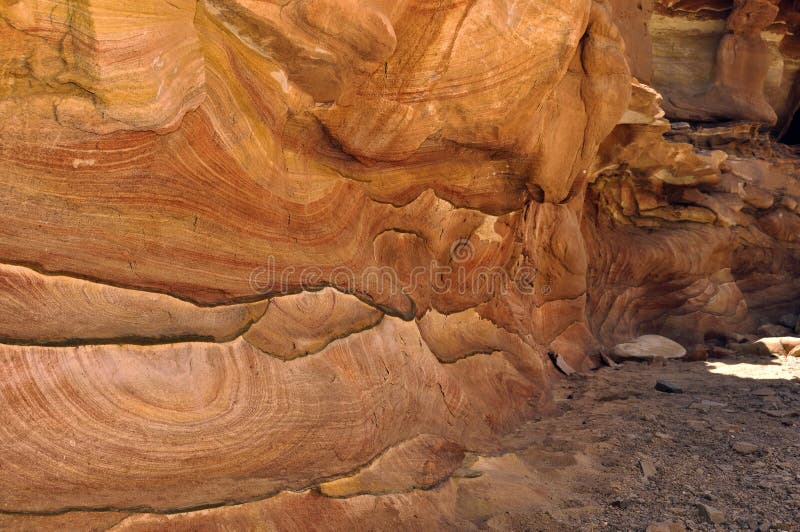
<point>716,60</point>
<point>741,67</point>
<point>648,347</point>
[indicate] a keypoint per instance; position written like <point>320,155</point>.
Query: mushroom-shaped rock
<point>648,347</point>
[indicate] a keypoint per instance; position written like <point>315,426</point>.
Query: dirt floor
<point>620,455</point>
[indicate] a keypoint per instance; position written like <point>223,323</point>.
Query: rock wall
<point>716,60</point>
<point>251,249</point>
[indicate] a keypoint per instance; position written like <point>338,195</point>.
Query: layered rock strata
<point>259,257</point>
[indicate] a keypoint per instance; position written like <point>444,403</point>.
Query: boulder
<point>648,347</point>
<point>710,514</point>
<point>780,346</point>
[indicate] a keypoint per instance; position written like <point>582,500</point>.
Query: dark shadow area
<point>792,134</point>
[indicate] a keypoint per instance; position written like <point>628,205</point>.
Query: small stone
<point>623,504</point>
<point>790,203</point>
<point>766,485</point>
<point>743,447</point>
<point>648,468</point>
<point>467,472</point>
<point>696,424</point>
<point>562,365</point>
<point>667,387</point>
<point>763,392</point>
<point>666,526</point>
<point>607,360</point>
<point>710,514</point>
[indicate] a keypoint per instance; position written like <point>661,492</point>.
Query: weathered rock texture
<point>304,259</point>
<point>716,59</point>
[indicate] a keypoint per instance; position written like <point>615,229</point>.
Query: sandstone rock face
<point>716,60</point>
<point>263,257</point>
<point>741,67</point>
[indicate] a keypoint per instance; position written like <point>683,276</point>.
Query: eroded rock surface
<point>315,254</point>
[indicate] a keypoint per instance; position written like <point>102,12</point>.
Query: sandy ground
<point>619,455</point>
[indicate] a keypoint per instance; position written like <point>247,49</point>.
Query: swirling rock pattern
<point>52,310</point>
<point>258,257</point>
<point>303,324</point>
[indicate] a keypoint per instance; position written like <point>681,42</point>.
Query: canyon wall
<point>282,262</point>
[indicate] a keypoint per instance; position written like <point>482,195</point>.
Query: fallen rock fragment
<point>624,504</point>
<point>466,472</point>
<point>696,424</point>
<point>754,349</point>
<point>710,514</point>
<point>607,360</point>
<point>668,387</point>
<point>647,467</point>
<point>560,363</point>
<point>743,447</point>
<point>648,347</point>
